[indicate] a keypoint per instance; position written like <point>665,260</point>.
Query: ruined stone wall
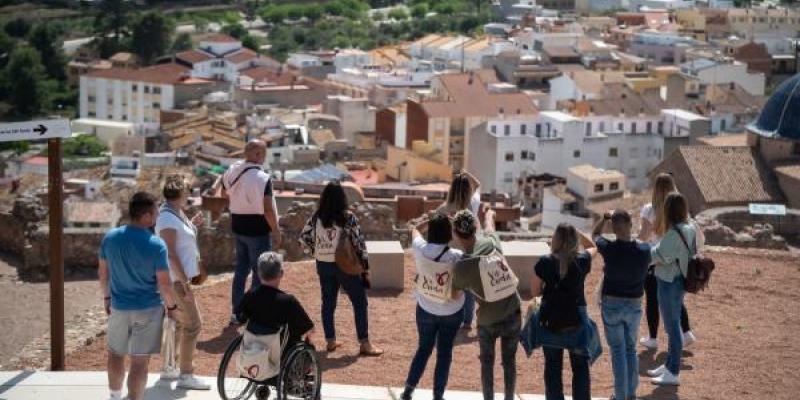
<point>12,234</point>
<point>80,253</point>
<point>735,226</point>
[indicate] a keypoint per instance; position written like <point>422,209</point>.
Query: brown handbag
<point>346,257</point>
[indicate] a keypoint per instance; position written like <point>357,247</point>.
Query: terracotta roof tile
<point>470,96</point>
<point>193,56</point>
<point>789,170</point>
<point>266,75</point>
<point>168,74</point>
<point>730,174</point>
<point>735,140</point>
<point>241,56</point>
<point>218,38</point>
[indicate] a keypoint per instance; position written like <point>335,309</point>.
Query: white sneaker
<point>688,339</point>
<point>666,379</point>
<point>169,374</point>
<point>657,372</point>
<point>649,343</point>
<point>189,381</point>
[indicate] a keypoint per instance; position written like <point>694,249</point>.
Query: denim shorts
<point>135,332</point>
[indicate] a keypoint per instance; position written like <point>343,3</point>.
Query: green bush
<point>398,14</point>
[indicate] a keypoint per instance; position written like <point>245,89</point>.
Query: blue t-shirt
<point>625,268</point>
<point>133,255</point>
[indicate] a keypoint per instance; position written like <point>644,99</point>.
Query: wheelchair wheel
<point>301,375</point>
<point>230,384</point>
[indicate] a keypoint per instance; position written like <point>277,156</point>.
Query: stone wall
<point>80,253</point>
<point>736,227</point>
<point>12,234</point>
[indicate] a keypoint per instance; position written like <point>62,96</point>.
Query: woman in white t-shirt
<point>439,307</point>
<point>652,230</point>
<point>464,194</point>
<point>180,235</point>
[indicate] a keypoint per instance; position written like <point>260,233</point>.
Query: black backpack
<point>559,310</point>
<point>698,273</point>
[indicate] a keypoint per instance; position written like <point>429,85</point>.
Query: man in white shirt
<point>254,215</point>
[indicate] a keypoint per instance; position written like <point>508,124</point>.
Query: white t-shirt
<point>430,251</point>
<point>185,244</point>
<point>649,214</point>
<point>325,242</point>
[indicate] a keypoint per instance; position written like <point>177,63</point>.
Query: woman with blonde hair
<point>671,256</point>
<point>559,278</point>
<point>653,228</point>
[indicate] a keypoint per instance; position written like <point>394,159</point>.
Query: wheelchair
<point>299,376</point>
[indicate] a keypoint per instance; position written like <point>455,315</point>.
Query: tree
<point>274,14</point>
<point>420,10</point>
<point>295,11</point>
<point>111,25</point>
<point>235,30</point>
<point>18,27</point>
<point>45,39</point>
<point>7,44</point>
<point>251,42</point>
<point>151,36</point>
<point>398,14</point>
<point>83,146</point>
<point>25,79</point>
<point>313,12</point>
<point>182,42</point>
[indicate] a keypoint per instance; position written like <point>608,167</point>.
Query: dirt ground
<point>745,325</point>
<point>25,307</point>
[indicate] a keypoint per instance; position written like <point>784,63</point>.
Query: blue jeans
<point>670,301</point>
<point>469,308</point>
<point>440,331</point>
<point>553,368</point>
<point>621,319</point>
<point>331,278</point>
<point>248,249</point>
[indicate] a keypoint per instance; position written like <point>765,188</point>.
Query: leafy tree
<point>398,14</point>
<point>182,42</point>
<point>18,27</point>
<point>251,43</point>
<point>151,36</point>
<point>295,11</point>
<point>7,44</point>
<point>274,14</point>
<point>83,146</point>
<point>45,39</point>
<point>235,30</point>
<point>313,12</point>
<point>378,16</point>
<point>420,10</point>
<point>111,20</point>
<point>231,17</point>
<point>200,23</point>
<point>25,79</point>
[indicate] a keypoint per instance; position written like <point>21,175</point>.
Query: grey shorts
<point>135,332</point>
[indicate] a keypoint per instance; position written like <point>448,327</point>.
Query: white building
<point>552,142</point>
<point>530,39</point>
<point>581,85</point>
<point>592,183</point>
<point>105,130</point>
<point>703,72</point>
<point>221,57</point>
<point>451,52</point>
<point>643,5</point>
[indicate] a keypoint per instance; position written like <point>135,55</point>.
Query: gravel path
<point>745,325</point>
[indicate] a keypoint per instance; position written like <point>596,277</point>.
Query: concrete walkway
<point>30,385</point>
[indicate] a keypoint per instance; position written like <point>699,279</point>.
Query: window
<point>509,156</point>
<point>493,129</point>
<point>649,127</point>
<point>523,129</point>
<point>523,155</point>
<point>598,188</point>
<point>157,90</point>
<point>147,89</point>
<point>532,155</point>
<point>633,127</point>
<point>92,114</point>
<point>501,110</point>
<point>602,127</point>
<point>92,99</point>
<point>156,105</point>
<point>661,127</point>
<point>507,130</point>
<point>613,186</point>
<point>722,125</point>
<point>538,130</point>
<point>110,116</point>
<point>135,87</point>
<point>588,129</point>
<point>124,117</point>
<point>613,152</point>
<point>576,154</point>
<point>620,127</point>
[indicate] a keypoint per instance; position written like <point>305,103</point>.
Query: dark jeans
<point>553,366</point>
<point>331,278</point>
<point>439,331</point>
<point>469,308</point>
<point>248,249</point>
<point>651,292</point>
<point>508,332</point>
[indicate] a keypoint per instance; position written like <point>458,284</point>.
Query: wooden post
<point>56,211</point>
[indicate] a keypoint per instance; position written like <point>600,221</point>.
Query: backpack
<point>559,310</point>
<point>698,273</point>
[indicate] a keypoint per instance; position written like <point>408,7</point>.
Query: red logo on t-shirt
<point>442,278</point>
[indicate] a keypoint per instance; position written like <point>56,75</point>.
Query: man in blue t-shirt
<point>134,277</point>
<point>626,261</point>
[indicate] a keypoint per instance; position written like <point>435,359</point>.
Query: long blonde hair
<point>663,186</point>
<point>564,246</point>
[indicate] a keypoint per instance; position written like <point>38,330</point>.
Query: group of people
<point>147,268</point>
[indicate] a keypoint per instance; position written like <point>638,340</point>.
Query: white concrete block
<point>386,259</point>
<point>522,256</point>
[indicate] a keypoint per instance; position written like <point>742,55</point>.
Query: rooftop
<point>165,74</point>
<point>735,140</point>
<point>590,172</point>
<point>469,95</point>
<point>219,38</point>
<point>193,56</point>
<point>241,56</point>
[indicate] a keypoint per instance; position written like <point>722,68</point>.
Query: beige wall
<point>403,165</point>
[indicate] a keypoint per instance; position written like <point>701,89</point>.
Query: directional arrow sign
<point>33,130</point>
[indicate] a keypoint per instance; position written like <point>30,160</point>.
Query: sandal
<point>368,350</point>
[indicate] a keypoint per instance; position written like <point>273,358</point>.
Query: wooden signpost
<point>53,130</point>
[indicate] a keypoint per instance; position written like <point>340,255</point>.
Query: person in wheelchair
<point>268,309</point>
